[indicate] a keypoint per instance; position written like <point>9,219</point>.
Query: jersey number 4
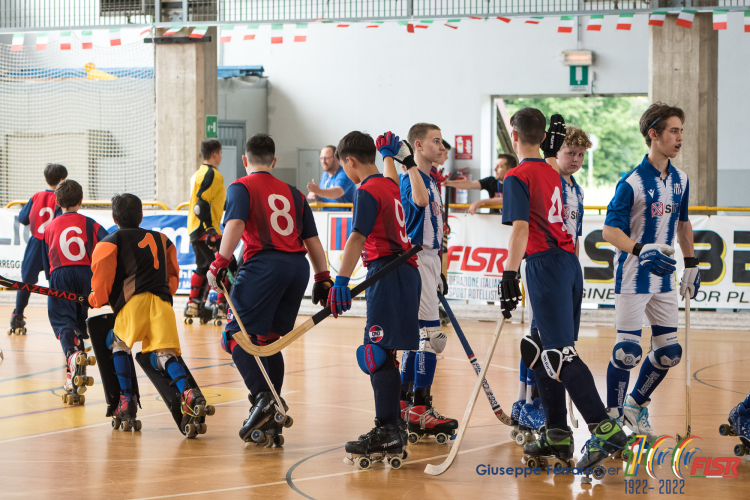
<point>556,210</point>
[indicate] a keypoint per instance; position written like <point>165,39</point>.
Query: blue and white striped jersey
<point>424,225</point>
<point>572,198</point>
<point>647,209</point>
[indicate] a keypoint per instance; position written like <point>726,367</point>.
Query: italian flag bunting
<point>114,37</point>
<point>41,41</point>
<point>747,21</point>
<point>534,20</point>
<point>199,32</point>
<point>452,23</point>
<point>595,23</point>
<point>87,39</point>
<point>423,24</point>
<point>171,31</point>
<point>374,24</point>
<point>147,30</point>
<point>504,19</point>
<point>657,19</point>
<point>251,31</point>
<point>566,24</point>
<point>65,40</point>
<point>625,22</point>
<point>475,17</point>
<point>685,19</point>
<point>409,26</point>
<point>17,43</point>
<point>720,19</point>
<point>277,33</point>
<point>300,34</point>
<point>226,33</point>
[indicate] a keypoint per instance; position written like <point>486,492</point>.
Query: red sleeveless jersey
<point>533,192</point>
<point>39,211</point>
<point>276,215</point>
<point>70,240</point>
<point>379,215</point>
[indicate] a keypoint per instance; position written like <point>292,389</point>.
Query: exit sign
<point>579,79</point>
<point>212,127</point>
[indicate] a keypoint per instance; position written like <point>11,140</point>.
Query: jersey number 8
<point>282,212</point>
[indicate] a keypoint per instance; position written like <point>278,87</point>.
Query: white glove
<point>691,282</point>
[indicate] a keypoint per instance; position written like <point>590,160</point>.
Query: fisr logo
<point>481,259</point>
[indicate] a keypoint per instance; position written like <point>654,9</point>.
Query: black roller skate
<point>739,425</point>
<point>17,324</point>
<point>76,381</point>
<point>219,313</point>
<point>554,446</point>
<point>124,415</point>
<point>607,441</point>
<point>425,421</point>
<point>194,411</point>
<point>264,424</point>
<point>382,442</point>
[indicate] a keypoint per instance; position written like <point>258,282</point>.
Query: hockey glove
<point>217,272</point>
<point>691,278</point>
<point>656,259</point>
<point>510,292</point>
<point>443,285</point>
<point>340,297</point>
<point>202,210</point>
<point>213,240</point>
<point>405,155</point>
<point>555,136</point>
<point>323,283</point>
<point>388,145</point>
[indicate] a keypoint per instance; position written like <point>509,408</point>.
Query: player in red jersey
<point>277,228</point>
<point>37,213</point>
<point>379,235</point>
<point>533,206</point>
<point>69,241</point>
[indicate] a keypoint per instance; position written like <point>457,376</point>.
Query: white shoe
<point>614,412</point>
<point>635,418</point>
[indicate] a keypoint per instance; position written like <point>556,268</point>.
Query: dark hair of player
<point>209,147</point>
<point>530,124</point>
<point>357,145</point>
<point>419,131</point>
<point>656,117</point>
<point>446,145</point>
<point>68,193</point>
<point>333,149</point>
<point>260,149</point>
<point>54,173</point>
<point>510,160</point>
<point>127,210</point>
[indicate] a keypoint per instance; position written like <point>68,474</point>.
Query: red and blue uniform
<point>272,280</point>
<point>69,242</point>
<point>392,302</point>
<point>532,192</point>
<point>37,213</point>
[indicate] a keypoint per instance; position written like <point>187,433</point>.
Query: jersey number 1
<point>148,241</point>
<point>556,210</point>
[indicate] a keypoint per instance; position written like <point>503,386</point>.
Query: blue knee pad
<point>626,355</point>
<point>370,358</point>
<point>407,367</point>
<point>425,369</point>
<point>666,357</point>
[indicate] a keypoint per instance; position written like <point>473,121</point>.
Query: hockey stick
<point>436,470</point>
<point>244,341</point>
<point>41,290</point>
<point>503,417</point>
<point>688,375</point>
<point>573,419</point>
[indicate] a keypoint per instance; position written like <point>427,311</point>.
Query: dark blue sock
<point>176,371</point>
<point>617,386</point>
<point>386,384</point>
<point>123,369</point>
<point>577,379</point>
<point>248,368</point>
<point>552,394</point>
<point>648,380</point>
<point>274,366</point>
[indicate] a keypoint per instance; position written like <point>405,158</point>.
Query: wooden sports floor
<point>51,450</point>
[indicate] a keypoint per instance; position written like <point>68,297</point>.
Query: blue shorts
<point>66,314</point>
<point>393,307</point>
<point>555,290</point>
<point>268,292</point>
<point>32,265</point>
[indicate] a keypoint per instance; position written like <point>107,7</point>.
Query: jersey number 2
<point>148,241</point>
<point>556,210</point>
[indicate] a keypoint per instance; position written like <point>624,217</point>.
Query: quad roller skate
<point>554,446</point>
<point>219,313</point>
<point>123,417</point>
<point>607,441</point>
<point>530,421</point>
<point>194,410</point>
<point>635,418</point>
<point>77,382</point>
<point>739,425</point>
<point>515,412</point>
<point>17,324</point>
<point>425,421</point>
<point>383,442</point>
<point>199,311</point>
<point>264,424</point>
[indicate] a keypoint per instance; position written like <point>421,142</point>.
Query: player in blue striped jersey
<point>649,209</point>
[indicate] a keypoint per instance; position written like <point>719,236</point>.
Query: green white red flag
<point>41,41</point>
<point>595,23</point>
<point>277,33</point>
<point>199,32</point>
<point>657,19</point>
<point>300,34</point>
<point>685,19</point>
<point>720,19</point>
<point>566,24</point>
<point>625,22</point>
<point>17,43</point>
<point>114,37</point>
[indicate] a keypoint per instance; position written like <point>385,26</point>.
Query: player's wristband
<point>325,275</point>
<point>691,262</point>
<point>510,275</point>
<point>221,261</point>
<point>637,249</point>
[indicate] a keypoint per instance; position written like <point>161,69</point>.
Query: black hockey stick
<point>41,290</point>
<point>243,340</point>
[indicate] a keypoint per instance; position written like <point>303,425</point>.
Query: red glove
<point>217,272</point>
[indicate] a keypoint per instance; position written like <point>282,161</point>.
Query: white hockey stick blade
<point>436,470</point>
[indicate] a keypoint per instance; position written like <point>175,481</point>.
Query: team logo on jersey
<point>651,193</point>
<point>436,208</point>
<point>657,209</point>
<point>677,188</point>
<point>566,212</point>
<point>376,334</point>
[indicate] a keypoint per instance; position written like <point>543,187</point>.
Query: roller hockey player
<point>533,206</point>
<point>649,209</point>
<point>277,227</point>
<point>739,425</point>
<point>379,235</point>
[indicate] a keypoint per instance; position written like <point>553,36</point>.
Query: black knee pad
<point>531,350</point>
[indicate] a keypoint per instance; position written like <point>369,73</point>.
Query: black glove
<point>405,155</point>
<point>213,240</point>
<point>510,292</point>
<point>443,285</point>
<point>555,136</point>
<point>202,210</point>
<point>323,283</point>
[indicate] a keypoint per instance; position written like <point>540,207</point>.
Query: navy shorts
<point>32,265</point>
<point>268,292</point>
<point>555,290</point>
<point>65,314</point>
<point>393,307</point>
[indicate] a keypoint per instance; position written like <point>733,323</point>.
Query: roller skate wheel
<point>521,439</point>
<point>81,399</point>
<point>599,473</point>
<point>289,422</point>
<point>627,455</point>
<point>89,381</point>
<point>725,429</point>
<point>190,431</point>
<point>125,425</point>
<point>413,437</point>
<point>10,332</point>
<point>513,434</point>
<point>740,450</point>
<point>395,463</point>
<point>441,438</point>
<point>218,322</point>
<point>79,380</point>
<point>202,321</point>
<point>92,360</point>
<point>348,461</point>
<point>279,440</point>
<point>210,410</point>
<point>202,428</point>
<point>65,399</point>
<point>116,422</point>
<point>364,463</point>
<point>81,360</point>
<point>558,466</point>
<point>532,463</point>
<point>138,425</point>
<point>199,410</point>
<point>258,436</point>
<point>278,418</point>
<point>586,480</point>
<point>405,454</point>
<point>269,442</point>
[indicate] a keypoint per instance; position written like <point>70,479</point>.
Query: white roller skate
<point>635,418</point>
<point>76,381</point>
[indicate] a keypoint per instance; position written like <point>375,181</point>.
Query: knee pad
<point>162,359</point>
<point>432,339</point>
<point>666,357</point>
<point>627,352</point>
<point>115,344</point>
<point>227,342</point>
<point>554,359</point>
<point>531,350</point>
<point>372,357</point>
